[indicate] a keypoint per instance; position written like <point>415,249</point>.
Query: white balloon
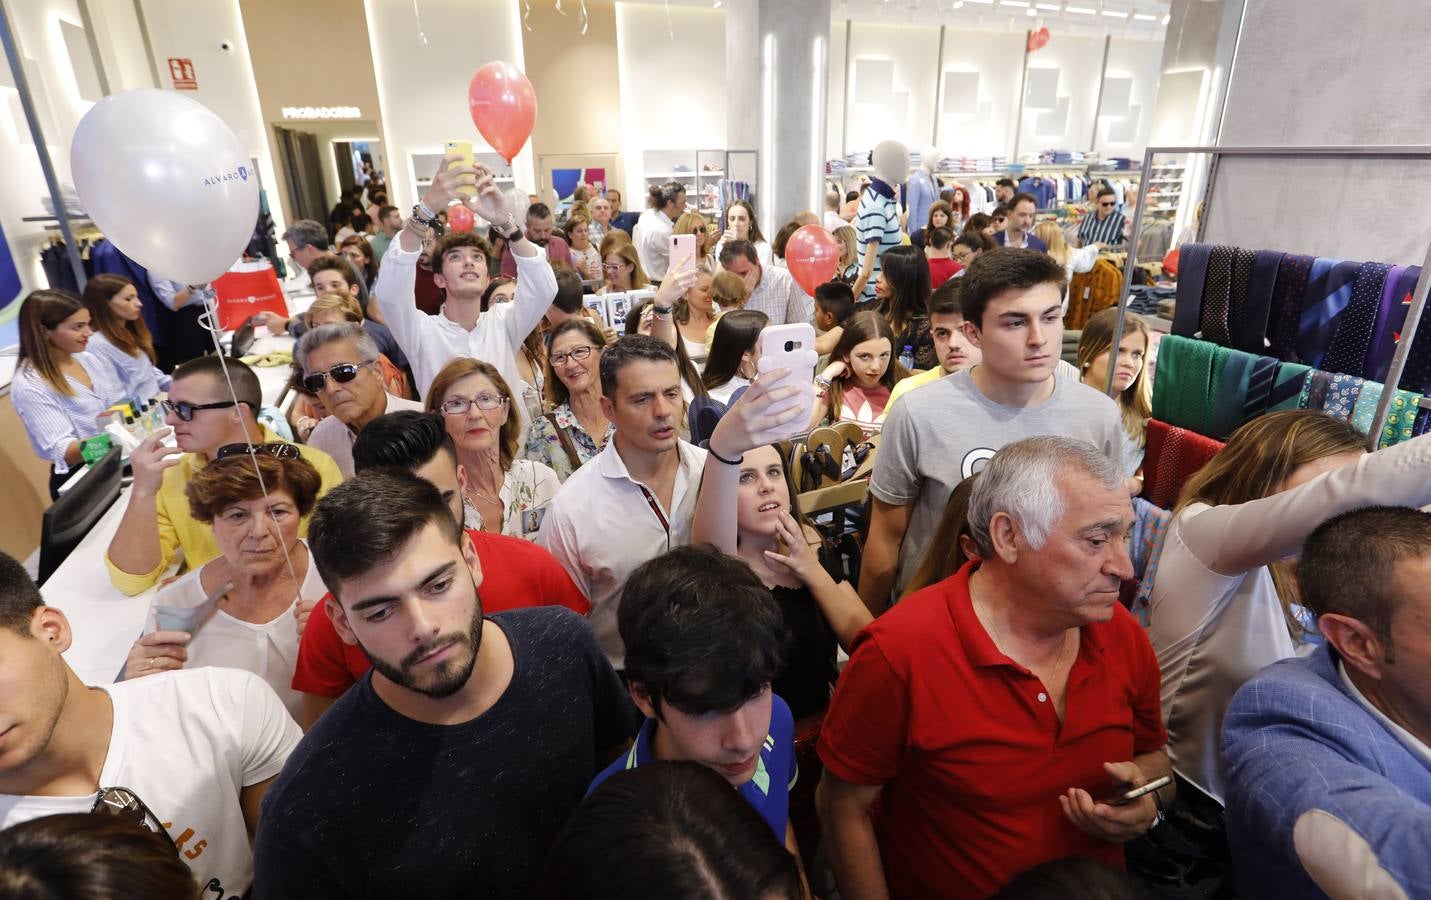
<point>167,182</point>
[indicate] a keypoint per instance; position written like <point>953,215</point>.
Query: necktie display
<point>1390,317</point>
<point>1192,275</point>
<point>1292,274</point>
<point>1253,319</point>
<point>1365,408</point>
<point>1314,393</point>
<point>1326,299</point>
<point>1417,374</point>
<point>1287,386</point>
<point>1401,418</point>
<point>1216,296</point>
<point>1242,261</point>
<point>1347,352</point>
<point>1173,456</point>
<point>1229,398</point>
<point>1261,378</point>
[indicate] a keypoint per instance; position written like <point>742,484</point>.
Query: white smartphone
<point>791,346</point>
<point>1124,793</point>
<point>462,149</point>
<point>683,252</point>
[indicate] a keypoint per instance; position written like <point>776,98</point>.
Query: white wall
<point>1079,62</point>
<point>194,29</point>
<point>423,87</point>
<point>1141,61</point>
<point>997,58</point>
<point>904,112</point>
<point>835,93</point>
<point>673,89</point>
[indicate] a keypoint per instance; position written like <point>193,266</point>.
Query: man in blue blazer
<point>1326,758</point>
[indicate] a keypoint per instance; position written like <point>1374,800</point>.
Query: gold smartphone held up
<point>463,151</point>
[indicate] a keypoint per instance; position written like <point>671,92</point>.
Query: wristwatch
<point>509,230</point>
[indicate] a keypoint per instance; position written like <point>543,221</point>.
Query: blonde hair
<point>1257,461</point>
<point>695,223</point>
<point>345,305</point>
<point>623,248</point>
<point>728,290</point>
<point>849,246</point>
<point>1136,401</point>
<point>1051,234</point>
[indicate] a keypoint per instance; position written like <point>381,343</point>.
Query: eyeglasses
<point>613,267</point>
<point>185,411</point>
<point>456,406</point>
<point>124,803</point>
<point>341,373</point>
<point>576,353</point>
<point>276,449</point>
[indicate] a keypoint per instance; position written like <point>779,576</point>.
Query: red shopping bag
<point>248,292</point>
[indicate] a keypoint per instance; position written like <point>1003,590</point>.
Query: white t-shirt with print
<point>187,742</point>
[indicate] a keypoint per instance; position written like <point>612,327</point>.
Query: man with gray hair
<point>832,219</point>
<point>966,709</point>
<point>340,368</point>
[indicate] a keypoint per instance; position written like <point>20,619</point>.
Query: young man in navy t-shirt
<point>704,638</point>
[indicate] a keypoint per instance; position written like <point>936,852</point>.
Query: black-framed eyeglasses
<point>124,803</point>
<point>276,449</point>
<point>456,406</point>
<point>185,411</point>
<point>576,353</point>
<point>341,373</point>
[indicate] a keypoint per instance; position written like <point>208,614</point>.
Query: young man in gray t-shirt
<point>942,433</point>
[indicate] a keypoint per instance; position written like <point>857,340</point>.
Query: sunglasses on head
<point>341,373</point>
<point>124,803</point>
<point>185,411</point>
<point>276,449</point>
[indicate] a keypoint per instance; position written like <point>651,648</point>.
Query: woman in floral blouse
<point>576,429</point>
<point>508,494</point>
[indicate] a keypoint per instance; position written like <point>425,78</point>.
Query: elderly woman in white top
<point>120,336</point>
<point>245,609</point>
<point>1223,605</point>
<point>509,495</point>
<point>59,390</point>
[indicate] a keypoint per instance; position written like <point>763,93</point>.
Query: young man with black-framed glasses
<point>192,752</point>
<point>203,415</point>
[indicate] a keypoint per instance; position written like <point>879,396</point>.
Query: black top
<point>809,673</point>
<point>918,335</point>
<point>373,804</point>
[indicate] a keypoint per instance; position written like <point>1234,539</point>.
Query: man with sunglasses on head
<point>340,367</point>
<point>189,753</point>
<point>204,416</point>
<point>1105,224</point>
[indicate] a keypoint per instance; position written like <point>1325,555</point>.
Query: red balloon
<point>1038,39</point>
<point>503,107</point>
<point>460,218</point>
<point>812,255</point>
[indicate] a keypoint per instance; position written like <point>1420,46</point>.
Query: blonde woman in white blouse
<point>246,608</point>
<point>1223,606</point>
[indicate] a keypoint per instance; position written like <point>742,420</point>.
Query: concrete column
<point>777,69</point>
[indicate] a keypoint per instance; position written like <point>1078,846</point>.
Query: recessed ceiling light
<point>1021,4</point>
<point>1114,14</point>
<point>1048,7</point>
<point>1079,10</point>
<point>1144,17</point>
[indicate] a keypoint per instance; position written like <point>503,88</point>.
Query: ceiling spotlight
<point>1031,12</point>
<point>1166,18</point>
<point>958,4</point>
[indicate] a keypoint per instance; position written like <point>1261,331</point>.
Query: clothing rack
<point>1217,152</point>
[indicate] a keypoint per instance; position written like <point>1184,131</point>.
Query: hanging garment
<point>1329,291</point>
<point>1401,419</point>
<point>1217,296</point>
<point>1287,386</point>
<point>1292,275</point>
<point>1092,291</point>
<point>1192,276</point>
<point>1390,319</point>
<point>1173,456</point>
<point>1352,339</point>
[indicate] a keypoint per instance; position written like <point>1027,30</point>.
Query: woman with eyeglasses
<point>576,428</point>
<point>509,494</point>
<point>246,608</point>
<point>121,337</point>
<point>620,266</point>
<point>59,389</point>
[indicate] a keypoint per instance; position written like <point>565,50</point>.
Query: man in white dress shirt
<point>653,230</point>
<point>460,270</point>
<point>340,366</point>
<point>635,499</point>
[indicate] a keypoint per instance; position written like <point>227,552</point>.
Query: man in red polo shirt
<point>985,713</point>
<point>514,573</point>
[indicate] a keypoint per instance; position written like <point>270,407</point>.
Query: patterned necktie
<point>1252,320</point>
<point>1390,316</point>
<point>1216,296</point>
<point>1230,398</point>
<point>1347,352</point>
<point>1417,374</point>
<point>1192,275</point>
<point>1260,380</point>
<point>1237,294</point>
<point>1292,275</point>
<point>1342,395</point>
<point>1364,411</point>
<point>1326,299</point>
<point>1400,419</point>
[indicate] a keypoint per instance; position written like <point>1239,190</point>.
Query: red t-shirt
<point>968,747</point>
<point>941,270</point>
<point>515,574</point>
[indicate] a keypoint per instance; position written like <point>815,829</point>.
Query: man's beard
<point>448,678</point>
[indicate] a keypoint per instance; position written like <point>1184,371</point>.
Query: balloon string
<point>417,14</point>
<point>584,19</point>
<point>210,319</point>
